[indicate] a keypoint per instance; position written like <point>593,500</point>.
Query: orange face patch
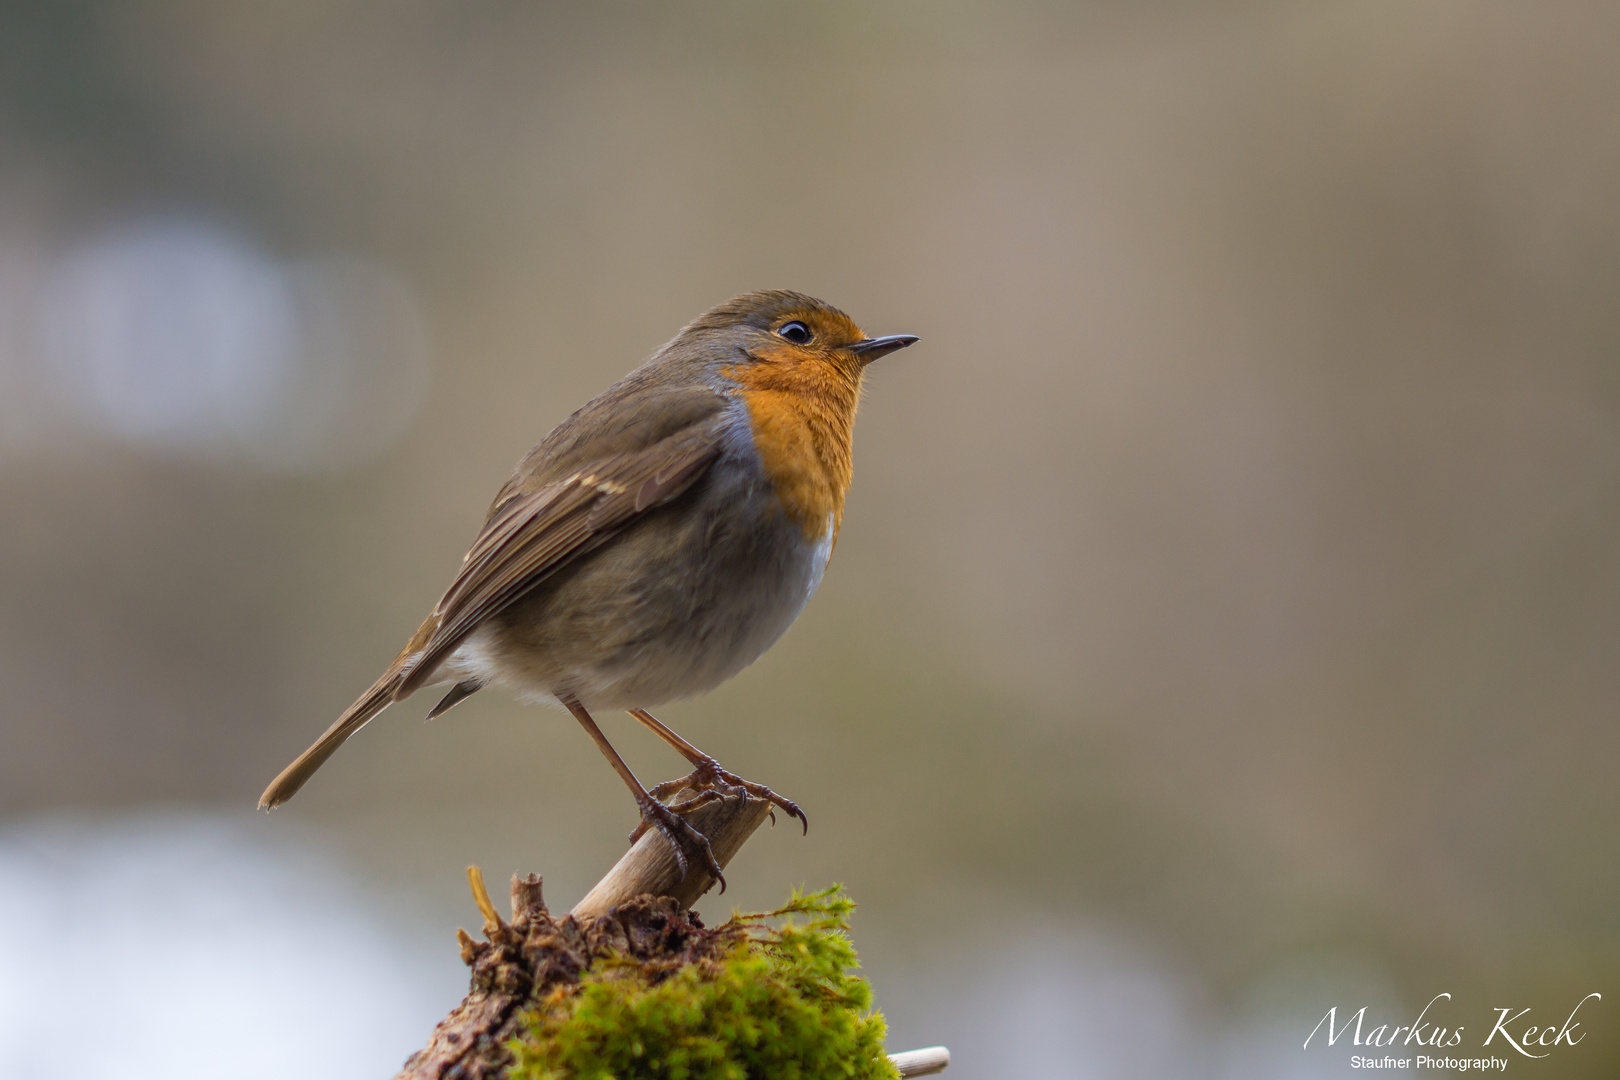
<point>802,404</point>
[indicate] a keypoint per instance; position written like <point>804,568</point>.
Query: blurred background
<point>1225,626</point>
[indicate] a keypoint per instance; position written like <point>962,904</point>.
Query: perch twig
<point>650,865</point>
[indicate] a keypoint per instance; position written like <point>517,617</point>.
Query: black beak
<point>874,347</point>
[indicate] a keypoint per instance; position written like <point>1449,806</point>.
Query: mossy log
<point>631,947</point>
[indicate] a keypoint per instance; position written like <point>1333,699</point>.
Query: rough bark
<point>639,908</point>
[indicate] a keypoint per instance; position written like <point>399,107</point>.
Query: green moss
<point>779,1003</point>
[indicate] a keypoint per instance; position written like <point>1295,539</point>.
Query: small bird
<point>654,544</point>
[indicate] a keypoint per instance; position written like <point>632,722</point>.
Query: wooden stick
<point>924,1062</point>
<point>650,865</point>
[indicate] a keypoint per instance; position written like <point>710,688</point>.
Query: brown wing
<point>564,501</point>
<point>531,535</point>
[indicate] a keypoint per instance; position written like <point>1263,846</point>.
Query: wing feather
<point>530,536</point>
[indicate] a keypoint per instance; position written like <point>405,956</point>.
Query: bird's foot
<point>711,782</point>
<point>689,844</point>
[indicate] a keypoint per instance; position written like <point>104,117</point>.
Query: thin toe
<point>689,844</point>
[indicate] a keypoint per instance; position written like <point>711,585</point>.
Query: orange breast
<point>803,413</point>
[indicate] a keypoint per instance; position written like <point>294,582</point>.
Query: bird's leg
<point>686,840</point>
<point>707,776</point>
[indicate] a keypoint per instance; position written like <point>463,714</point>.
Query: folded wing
<point>528,537</point>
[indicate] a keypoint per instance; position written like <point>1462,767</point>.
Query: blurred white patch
<point>1082,1002</point>
<point>179,947</point>
<point>169,334</point>
<point>181,337</point>
<point>1067,1011</point>
<point>1055,1005</point>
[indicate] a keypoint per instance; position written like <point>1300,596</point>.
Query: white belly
<point>693,633</point>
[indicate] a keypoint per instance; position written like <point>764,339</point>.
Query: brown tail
<point>355,717</point>
<point>383,693</point>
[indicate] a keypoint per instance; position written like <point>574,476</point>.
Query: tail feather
<point>356,716</point>
<point>458,693</point>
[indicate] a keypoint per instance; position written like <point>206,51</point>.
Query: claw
<point>686,840</point>
<point>710,778</point>
<point>684,807</point>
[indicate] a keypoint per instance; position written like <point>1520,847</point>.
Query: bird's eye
<point>796,332</point>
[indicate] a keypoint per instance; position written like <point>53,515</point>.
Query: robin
<point>654,544</point>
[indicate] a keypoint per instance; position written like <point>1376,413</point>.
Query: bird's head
<point>776,328</point>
